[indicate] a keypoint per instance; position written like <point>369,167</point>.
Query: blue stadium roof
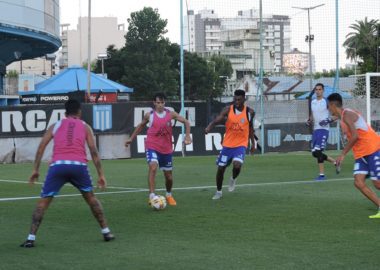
<point>19,42</point>
<point>75,79</point>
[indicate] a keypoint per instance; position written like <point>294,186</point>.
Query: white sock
<point>106,230</point>
<point>32,237</point>
<point>168,194</point>
<point>219,192</point>
<point>151,195</point>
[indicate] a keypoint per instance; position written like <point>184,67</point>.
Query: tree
<point>146,59</point>
<point>113,66</point>
<point>363,42</point>
<point>223,70</point>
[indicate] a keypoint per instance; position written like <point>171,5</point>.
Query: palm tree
<point>363,42</point>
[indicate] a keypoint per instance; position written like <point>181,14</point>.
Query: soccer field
<point>277,218</point>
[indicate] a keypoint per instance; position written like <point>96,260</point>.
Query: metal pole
<point>356,63</point>
<point>336,81</point>
<point>309,40</point>
<point>89,52</point>
<point>262,134</point>
<point>368,96</point>
<point>103,67</point>
<point>310,60</point>
<point>182,112</point>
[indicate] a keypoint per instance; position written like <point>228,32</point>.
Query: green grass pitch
<point>277,218</point>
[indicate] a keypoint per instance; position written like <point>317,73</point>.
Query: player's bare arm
<point>48,136</point>
<point>184,121</point>
<point>95,157</point>
<point>220,118</point>
<point>251,130</point>
<point>349,118</point>
<point>138,129</point>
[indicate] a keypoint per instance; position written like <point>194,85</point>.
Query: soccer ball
<point>158,202</point>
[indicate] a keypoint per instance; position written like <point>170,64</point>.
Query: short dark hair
<point>239,92</point>
<point>321,85</point>
<point>72,107</point>
<point>336,98</point>
<point>160,96</point>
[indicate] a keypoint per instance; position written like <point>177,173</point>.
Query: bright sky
<point>322,19</point>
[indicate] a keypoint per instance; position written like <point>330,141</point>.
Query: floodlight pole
<point>89,52</point>
<point>309,39</point>
<point>182,112</point>
<point>261,78</point>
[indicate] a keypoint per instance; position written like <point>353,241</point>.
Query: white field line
<point>136,190</point>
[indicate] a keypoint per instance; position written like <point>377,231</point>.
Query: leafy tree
<point>343,72</point>
<point>223,70</point>
<point>146,59</point>
<point>92,65</point>
<point>12,74</point>
<point>203,79</point>
<point>363,42</point>
<point>113,66</point>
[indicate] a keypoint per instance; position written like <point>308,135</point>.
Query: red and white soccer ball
<point>158,202</point>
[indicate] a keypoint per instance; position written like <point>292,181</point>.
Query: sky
<point>322,19</point>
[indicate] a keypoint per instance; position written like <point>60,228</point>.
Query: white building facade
<point>238,38</point>
<point>105,31</point>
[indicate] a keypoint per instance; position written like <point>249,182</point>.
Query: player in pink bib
<point>159,143</point>
<point>68,165</point>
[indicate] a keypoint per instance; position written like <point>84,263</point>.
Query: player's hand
<point>188,139</point>
<point>339,160</point>
<point>102,183</point>
<point>34,177</point>
<point>128,142</point>
<point>325,122</point>
<point>207,130</point>
<point>252,149</point>
<point>309,122</point>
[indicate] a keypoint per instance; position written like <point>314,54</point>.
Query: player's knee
<point>359,184</point>
<point>153,166</point>
<point>236,164</point>
<point>317,154</point>
<point>376,184</point>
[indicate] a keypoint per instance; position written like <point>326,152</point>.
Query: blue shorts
<point>60,174</point>
<point>227,155</point>
<point>368,165</point>
<point>320,137</point>
<point>165,161</point>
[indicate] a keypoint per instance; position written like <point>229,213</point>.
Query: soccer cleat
<point>337,168</point>
<point>27,244</point>
<point>171,200</point>
<point>320,178</point>
<point>108,237</point>
<point>217,196</point>
<point>232,184</point>
<point>377,215</point>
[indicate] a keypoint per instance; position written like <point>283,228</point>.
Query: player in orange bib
<point>239,130</point>
<point>365,145</point>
